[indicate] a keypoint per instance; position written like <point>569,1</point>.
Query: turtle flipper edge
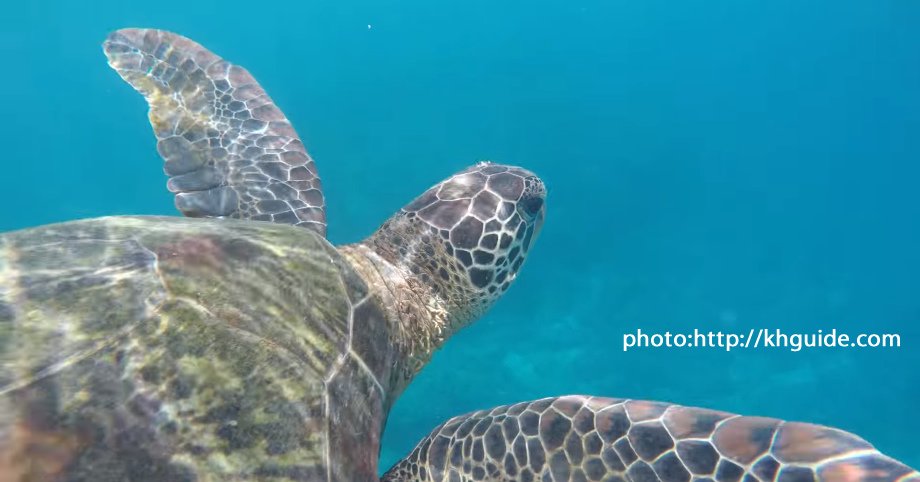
<point>229,151</point>
<point>580,438</point>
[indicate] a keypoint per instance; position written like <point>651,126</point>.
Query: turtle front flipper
<point>229,151</point>
<point>579,438</point>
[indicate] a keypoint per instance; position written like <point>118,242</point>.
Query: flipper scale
<point>225,144</point>
<point>579,438</point>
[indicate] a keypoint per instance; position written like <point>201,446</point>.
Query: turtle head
<point>466,238</point>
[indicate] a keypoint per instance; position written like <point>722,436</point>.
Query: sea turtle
<point>238,344</point>
<point>244,348</point>
<point>580,438</point>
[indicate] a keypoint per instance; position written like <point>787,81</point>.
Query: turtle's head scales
<point>466,237</point>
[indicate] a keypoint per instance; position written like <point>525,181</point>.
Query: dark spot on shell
<point>181,387</point>
<point>237,436</point>
<point>143,407</point>
<point>150,374</point>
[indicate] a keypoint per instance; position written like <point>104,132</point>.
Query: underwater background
<point>720,165</point>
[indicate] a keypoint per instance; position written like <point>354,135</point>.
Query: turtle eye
<point>531,205</point>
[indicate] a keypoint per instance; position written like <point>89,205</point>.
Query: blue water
<point>711,164</point>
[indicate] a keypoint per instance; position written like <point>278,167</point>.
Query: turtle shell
<point>170,349</point>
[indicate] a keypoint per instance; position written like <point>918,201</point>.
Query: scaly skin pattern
<point>446,257</point>
<point>169,349</point>
<point>467,236</point>
<point>579,438</point>
<point>228,150</point>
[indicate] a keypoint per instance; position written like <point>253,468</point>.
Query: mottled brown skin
<point>580,438</point>
<point>177,349</point>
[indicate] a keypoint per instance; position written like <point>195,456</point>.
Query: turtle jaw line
<point>440,285</point>
<point>418,321</point>
<point>441,261</point>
